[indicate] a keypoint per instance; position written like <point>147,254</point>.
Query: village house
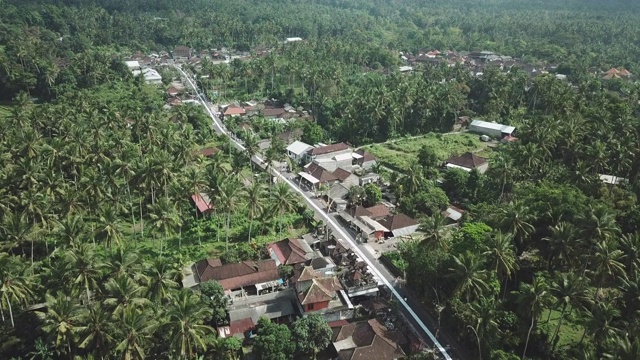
<point>297,150</point>
<point>202,202</point>
<point>241,279</point>
<point>323,294</point>
<point>151,76</point>
<point>453,214</point>
<point>346,178</point>
<point>491,129</point>
<point>468,162</point>
<point>366,340</point>
<point>369,178</point>
<point>322,152</point>
<point>336,197</point>
<point>365,159</point>
<point>399,225</point>
<point>314,176</point>
<point>378,212</point>
<point>182,52</point>
<point>172,91</point>
<point>290,252</point>
<point>234,111</point>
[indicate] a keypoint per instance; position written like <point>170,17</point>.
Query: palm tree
<point>484,317</point>
<point>136,330</point>
<point>84,268</point>
<point>255,196</point>
<point>502,255</point>
<point>227,199</point>
<point>282,200</point>
<point>251,146</point>
<point>602,322</point>
<point>569,290</point>
<point>60,321</point>
<point>605,263</point>
<point>122,261</point>
<point>514,219</point>
<point>532,297</point>
<point>122,293</point>
<point>163,217</point>
<point>96,332</point>
<point>630,247</point>
<point>623,348</point>
<point>109,228</point>
<point>433,227</point>
<point>185,318</point>
<point>562,243</point>
<point>469,276</point>
<point>159,278</point>
<point>16,286</point>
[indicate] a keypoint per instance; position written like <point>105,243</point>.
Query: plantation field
<point>402,152</point>
<point>570,333</point>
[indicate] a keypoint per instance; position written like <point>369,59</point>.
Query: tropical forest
<point>99,167</point>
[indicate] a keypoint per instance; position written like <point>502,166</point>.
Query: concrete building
<point>467,162</point>
<point>297,150</point>
<point>151,76</point>
<point>494,130</point>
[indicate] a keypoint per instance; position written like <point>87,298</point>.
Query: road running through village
<point>376,268</point>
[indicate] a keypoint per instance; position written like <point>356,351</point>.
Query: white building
<point>297,150</point>
<point>292,39</point>
<point>151,76</point>
<point>133,65</point>
<point>491,129</point>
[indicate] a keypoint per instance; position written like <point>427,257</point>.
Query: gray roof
<point>271,310</point>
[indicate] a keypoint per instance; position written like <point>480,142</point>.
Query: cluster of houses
<point>328,279</point>
<point>267,109</point>
<point>477,61</point>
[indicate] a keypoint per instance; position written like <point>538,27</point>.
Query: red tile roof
<point>289,251</point>
<point>360,211</point>
<point>234,110</point>
<point>202,201</point>
<point>327,149</point>
<point>236,275</point>
<point>467,160</point>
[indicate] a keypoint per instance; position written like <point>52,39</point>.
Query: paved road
<point>378,270</point>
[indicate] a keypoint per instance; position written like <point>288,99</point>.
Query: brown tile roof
<point>236,275</point>
<point>241,326</point>
<point>366,156</point>
<point>289,251</point>
<point>172,91</point>
<point>320,173</point>
<point>399,221</point>
<point>307,274</point>
<point>291,135</point>
<point>378,211</point>
<point>329,149</point>
<point>208,151</point>
<point>341,174</point>
<point>323,289</point>
<point>360,211</point>
<point>273,112</point>
<point>370,340</point>
<point>468,160</point>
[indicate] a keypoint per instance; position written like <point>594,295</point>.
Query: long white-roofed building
<point>492,129</point>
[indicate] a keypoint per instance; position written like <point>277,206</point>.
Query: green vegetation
<point>401,153</point>
<point>96,220</point>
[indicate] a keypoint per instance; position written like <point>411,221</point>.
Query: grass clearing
<point>400,153</point>
<point>570,332</point>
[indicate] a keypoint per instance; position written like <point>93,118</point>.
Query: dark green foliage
<point>214,297</point>
<point>311,334</point>
<point>274,342</point>
<point>372,195</point>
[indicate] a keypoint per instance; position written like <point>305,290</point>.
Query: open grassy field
<point>570,332</point>
<point>401,152</point>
